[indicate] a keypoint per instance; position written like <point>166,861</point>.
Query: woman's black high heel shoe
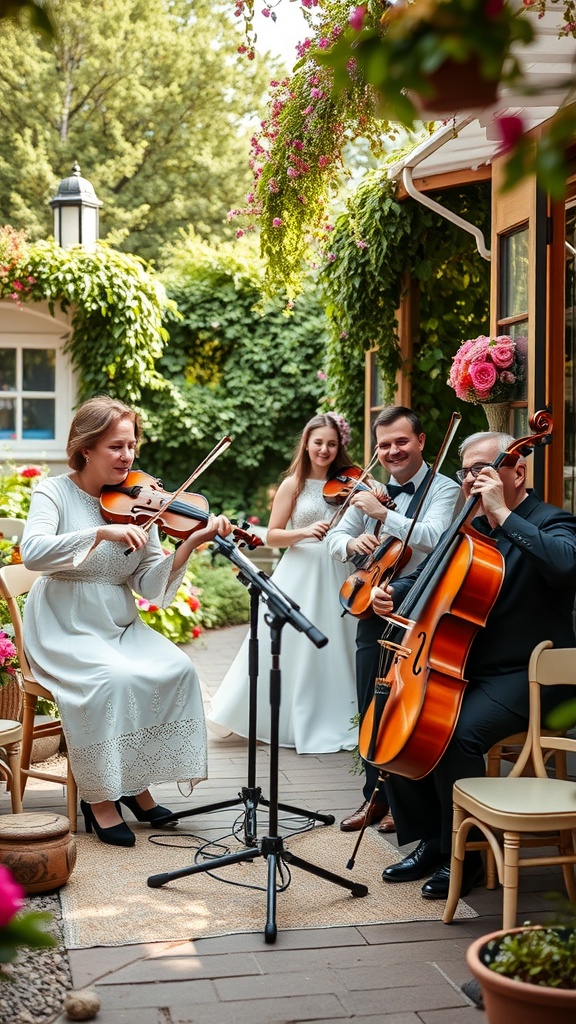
<point>116,835</point>
<point>152,816</point>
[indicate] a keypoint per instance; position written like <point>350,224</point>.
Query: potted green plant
<point>431,56</point>
<point>527,974</point>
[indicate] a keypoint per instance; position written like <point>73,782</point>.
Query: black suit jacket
<point>536,601</point>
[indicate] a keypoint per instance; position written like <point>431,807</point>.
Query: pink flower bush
<point>11,896</point>
<point>8,659</point>
<point>486,370</point>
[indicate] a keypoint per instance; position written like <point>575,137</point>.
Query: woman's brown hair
<point>92,421</point>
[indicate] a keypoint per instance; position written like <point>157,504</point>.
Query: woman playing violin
<point>538,545</point>
<point>129,699</point>
<point>318,698</point>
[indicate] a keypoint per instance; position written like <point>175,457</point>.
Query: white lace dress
<point>318,690</point>
<point>129,699</point>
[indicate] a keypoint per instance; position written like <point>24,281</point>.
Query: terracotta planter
<point>456,87</point>
<point>515,1002</point>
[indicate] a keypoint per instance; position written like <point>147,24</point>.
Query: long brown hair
<point>92,421</point>
<point>301,467</point>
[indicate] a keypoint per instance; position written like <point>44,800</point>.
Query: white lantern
<point>75,208</point>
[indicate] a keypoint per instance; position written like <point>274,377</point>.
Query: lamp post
<point>75,208</point>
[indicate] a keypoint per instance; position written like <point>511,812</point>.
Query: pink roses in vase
<point>486,370</point>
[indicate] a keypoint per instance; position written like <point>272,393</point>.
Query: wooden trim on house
<point>450,179</point>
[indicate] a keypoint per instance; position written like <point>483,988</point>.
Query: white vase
<point>498,416</point>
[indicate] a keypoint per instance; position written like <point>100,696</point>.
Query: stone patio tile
<point>411,931</point>
<point>170,968</point>
<point>87,965</point>
<point>169,993</point>
<point>388,1018</point>
<point>150,1015</point>
<point>365,978</point>
<point>278,985</point>
<point>298,938</point>
<point>264,1011</point>
<point>465,1015</point>
<point>410,997</point>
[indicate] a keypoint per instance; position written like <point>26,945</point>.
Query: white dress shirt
<point>438,511</point>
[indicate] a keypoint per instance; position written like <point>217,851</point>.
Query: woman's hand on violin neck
<point>365,544</point>
<point>215,525</point>
<point>382,602</point>
<point>369,504</point>
<point>128,534</point>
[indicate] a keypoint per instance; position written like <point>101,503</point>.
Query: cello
<point>418,695</point>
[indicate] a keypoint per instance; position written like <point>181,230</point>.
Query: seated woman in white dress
<point>318,691</point>
<point>129,699</point>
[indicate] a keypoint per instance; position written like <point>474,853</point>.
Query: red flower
<point>196,632</point>
<point>30,471</point>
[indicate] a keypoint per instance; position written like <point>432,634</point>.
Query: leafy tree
<point>148,95</point>
<point>235,369</point>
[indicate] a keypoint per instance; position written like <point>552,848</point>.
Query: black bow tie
<point>395,489</point>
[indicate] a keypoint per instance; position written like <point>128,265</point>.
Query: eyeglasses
<point>477,468</point>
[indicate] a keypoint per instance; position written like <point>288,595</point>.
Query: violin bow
<point>342,508</point>
<point>217,450</point>
<point>442,452</point>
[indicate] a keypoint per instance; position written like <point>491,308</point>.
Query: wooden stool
<point>10,739</point>
<point>38,848</point>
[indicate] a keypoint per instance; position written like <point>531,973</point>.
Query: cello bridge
<point>397,649</point>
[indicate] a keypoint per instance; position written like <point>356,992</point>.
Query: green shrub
<point>224,601</point>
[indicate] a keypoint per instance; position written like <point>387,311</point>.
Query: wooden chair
<point>12,527</point>
<point>509,750</point>
<point>533,811</point>
<point>10,739</point>
<point>16,580</point>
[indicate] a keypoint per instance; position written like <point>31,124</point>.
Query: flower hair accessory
<point>343,428</point>
<point>486,369</point>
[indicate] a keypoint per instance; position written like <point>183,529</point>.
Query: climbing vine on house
<point>377,243</point>
<point>119,309</point>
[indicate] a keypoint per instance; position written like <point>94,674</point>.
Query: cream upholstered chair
<point>16,580</point>
<point>517,810</point>
<point>10,739</point>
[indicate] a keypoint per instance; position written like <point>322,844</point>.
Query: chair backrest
<point>12,527</point>
<point>548,666</point>
<point>16,580</point>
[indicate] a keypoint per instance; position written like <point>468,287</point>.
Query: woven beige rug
<point>107,901</point>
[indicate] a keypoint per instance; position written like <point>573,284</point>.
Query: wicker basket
<point>11,699</point>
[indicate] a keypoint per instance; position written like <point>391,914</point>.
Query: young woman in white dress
<point>129,699</point>
<point>318,691</point>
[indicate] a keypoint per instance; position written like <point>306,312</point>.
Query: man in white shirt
<point>365,526</point>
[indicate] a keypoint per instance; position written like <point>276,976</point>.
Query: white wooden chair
<point>517,810</point>
<point>12,527</point>
<point>16,580</point>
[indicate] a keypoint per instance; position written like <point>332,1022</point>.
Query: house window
<point>28,393</point>
<point>513,313</point>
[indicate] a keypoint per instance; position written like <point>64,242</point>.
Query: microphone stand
<point>282,609</point>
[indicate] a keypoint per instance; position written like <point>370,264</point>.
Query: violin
<point>418,695</point>
<point>142,499</point>
<point>349,481</point>
<point>375,570</point>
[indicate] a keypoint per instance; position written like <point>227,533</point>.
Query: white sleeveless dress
<point>318,689</point>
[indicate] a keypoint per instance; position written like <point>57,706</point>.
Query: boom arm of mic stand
<point>278,602</point>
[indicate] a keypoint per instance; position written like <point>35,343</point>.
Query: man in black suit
<point>538,544</point>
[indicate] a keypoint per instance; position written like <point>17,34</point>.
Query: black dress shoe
<point>417,864</point>
<point>153,816</point>
<point>116,835</point>
<point>436,888</point>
